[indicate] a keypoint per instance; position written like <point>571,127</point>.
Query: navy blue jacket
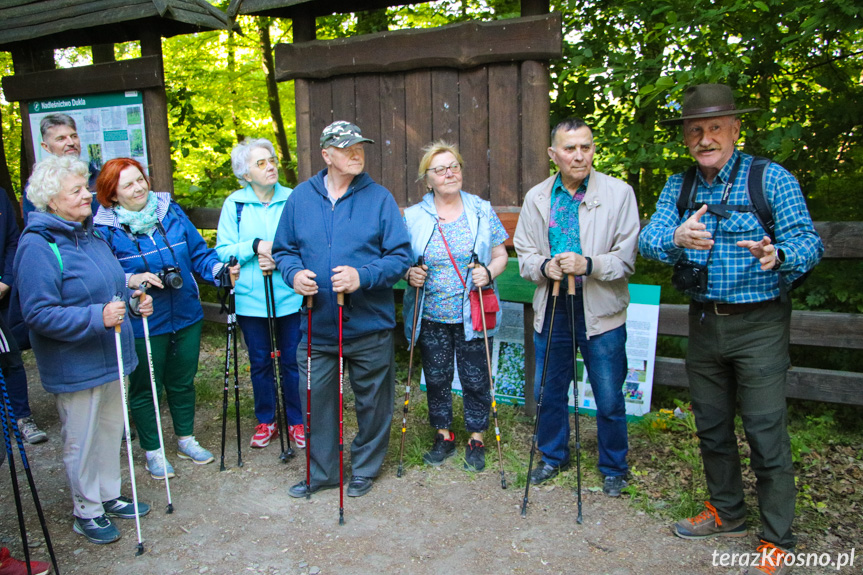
<point>363,230</point>
<point>173,309</point>
<point>9,234</point>
<point>63,307</point>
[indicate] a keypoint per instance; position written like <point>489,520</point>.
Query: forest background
<point>625,65</point>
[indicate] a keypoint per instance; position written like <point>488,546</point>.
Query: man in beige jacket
<point>583,223</point>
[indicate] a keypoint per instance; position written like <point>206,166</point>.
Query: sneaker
<point>441,450</point>
<point>474,456</point>
<point>11,566</point>
<point>264,432</point>
<point>190,449</point>
<point>612,486</point>
<point>771,560</point>
<point>98,530</point>
<point>708,524</point>
<point>31,432</point>
<point>154,465</point>
<point>297,433</point>
<point>124,508</point>
<point>546,471</point>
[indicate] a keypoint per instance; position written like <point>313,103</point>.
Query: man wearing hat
<point>737,277</point>
<point>340,232</point>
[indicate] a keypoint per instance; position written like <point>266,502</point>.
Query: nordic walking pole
<point>570,298</point>
<point>555,291</point>
<point>122,382</point>
<point>340,299</point>
<point>15,489</point>
<point>232,308</point>
<point>170,508</point>
<point>230,337</point>
<point>10,417</point>
<point>413,344</point>
<point>474,262</point>
<point>310,303</point>
<point>276,356</point>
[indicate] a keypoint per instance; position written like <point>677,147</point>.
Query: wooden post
<point>534,7</point>
<point>304,31</point>
<point>103,53</point>
<point>529,362</point>
<point>156,122</point>
<point>24,60</point>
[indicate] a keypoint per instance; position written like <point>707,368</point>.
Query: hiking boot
<point>31,432</point>
<point>708,524</point>
<point>300,489</point>
<point>771,560</point>
<point>474,456</point>
<point>264,432</point>
<point>359,486</point>
<point>11,566</point>
<point>297,433</point>
<point>189,448</point>
<point>155,467</point>
<point>613,485</point>
<point>98,530</point>
<point>124,508</point>
<point>441,450</point>
<point>546,471</point>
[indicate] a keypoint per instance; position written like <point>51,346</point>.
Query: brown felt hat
<point>707,101</point>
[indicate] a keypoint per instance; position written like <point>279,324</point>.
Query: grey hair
<point>54,120</point>
<point>568,125</point>
<point>46,181</point>
<point>241,152</point>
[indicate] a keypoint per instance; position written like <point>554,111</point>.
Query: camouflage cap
<point>342,134</point>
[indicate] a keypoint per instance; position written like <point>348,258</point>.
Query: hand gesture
<point>764,251</point>
<point>692,234</point>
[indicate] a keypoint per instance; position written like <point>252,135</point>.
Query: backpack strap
<point>240,206</point>
<point>755,190</point>
<point>52,243</point>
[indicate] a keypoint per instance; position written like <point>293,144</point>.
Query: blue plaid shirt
<point>734,275</point>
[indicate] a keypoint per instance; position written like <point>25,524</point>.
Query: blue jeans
<point>605,358</point>
<point>257,333</point>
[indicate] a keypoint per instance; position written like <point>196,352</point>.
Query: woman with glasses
<point>246,230</point>
<point>447,228</point>
<point>157,245</point>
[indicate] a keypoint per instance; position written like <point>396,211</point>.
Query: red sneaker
<point>11,566</point>
<point>264,432</point>
<point>297,433</point>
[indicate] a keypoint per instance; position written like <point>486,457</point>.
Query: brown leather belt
<point>717,308</point>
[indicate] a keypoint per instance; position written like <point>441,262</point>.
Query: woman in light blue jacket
<point>246,229</point>
<point>446,228</point>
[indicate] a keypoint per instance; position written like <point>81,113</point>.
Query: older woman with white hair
<point>73,294</point>
<point>246,230</point>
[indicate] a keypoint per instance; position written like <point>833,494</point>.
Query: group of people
<point>341,235</point>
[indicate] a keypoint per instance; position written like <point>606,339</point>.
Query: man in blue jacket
<point>341,233</point>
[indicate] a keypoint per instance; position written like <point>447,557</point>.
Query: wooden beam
<point>803,383</point>
<point>156,120</point>
<point>136,74</point>
<point>465,45</point>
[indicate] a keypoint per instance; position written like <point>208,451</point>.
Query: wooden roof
<point>312,8</point>
<point>64,23</point>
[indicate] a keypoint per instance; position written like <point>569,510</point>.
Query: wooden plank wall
<point>483,110</point>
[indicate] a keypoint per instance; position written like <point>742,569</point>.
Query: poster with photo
<point>642,324</point>
<point>109,125</point>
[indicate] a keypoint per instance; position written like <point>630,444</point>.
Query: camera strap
<point>722,207</point>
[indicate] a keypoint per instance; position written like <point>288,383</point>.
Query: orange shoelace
<point>772,559</point>
<point>706,515</point>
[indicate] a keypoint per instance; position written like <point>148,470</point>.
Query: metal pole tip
<point>140,550</point>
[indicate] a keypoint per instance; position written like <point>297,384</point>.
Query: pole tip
<point>399,472</point>
<point>140,550</point>
<point>341,519</point>
<point>579,520</point>
<point>170,508</point>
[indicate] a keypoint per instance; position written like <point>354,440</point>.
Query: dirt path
<point>431,521</point>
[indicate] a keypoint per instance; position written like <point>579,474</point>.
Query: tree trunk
<point>5,177</point>
<point>273,100</point>
<point>232,72</point>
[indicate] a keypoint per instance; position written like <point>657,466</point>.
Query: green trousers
<point>175,363</point>
<point>742,360</point>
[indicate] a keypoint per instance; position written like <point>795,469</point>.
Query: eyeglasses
<point>455,168</point>
<point>262,163</point>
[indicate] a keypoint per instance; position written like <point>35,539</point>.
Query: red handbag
<point>489,299</point>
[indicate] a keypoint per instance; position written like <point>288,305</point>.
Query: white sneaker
<point>190,449</point>
<point>154,465</point>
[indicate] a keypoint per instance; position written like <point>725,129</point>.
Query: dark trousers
<point>13,372</point>
<point>605,359</point>
<point>441,344</point>
<point>256,331</point>
<point>371,362</point>
<point>744,358</point>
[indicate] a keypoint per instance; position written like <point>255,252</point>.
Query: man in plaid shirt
<point>739,317</point>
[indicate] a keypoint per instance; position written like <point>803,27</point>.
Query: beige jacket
<point>608,223</point>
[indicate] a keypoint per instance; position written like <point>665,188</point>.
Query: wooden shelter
<point>32,29</point>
